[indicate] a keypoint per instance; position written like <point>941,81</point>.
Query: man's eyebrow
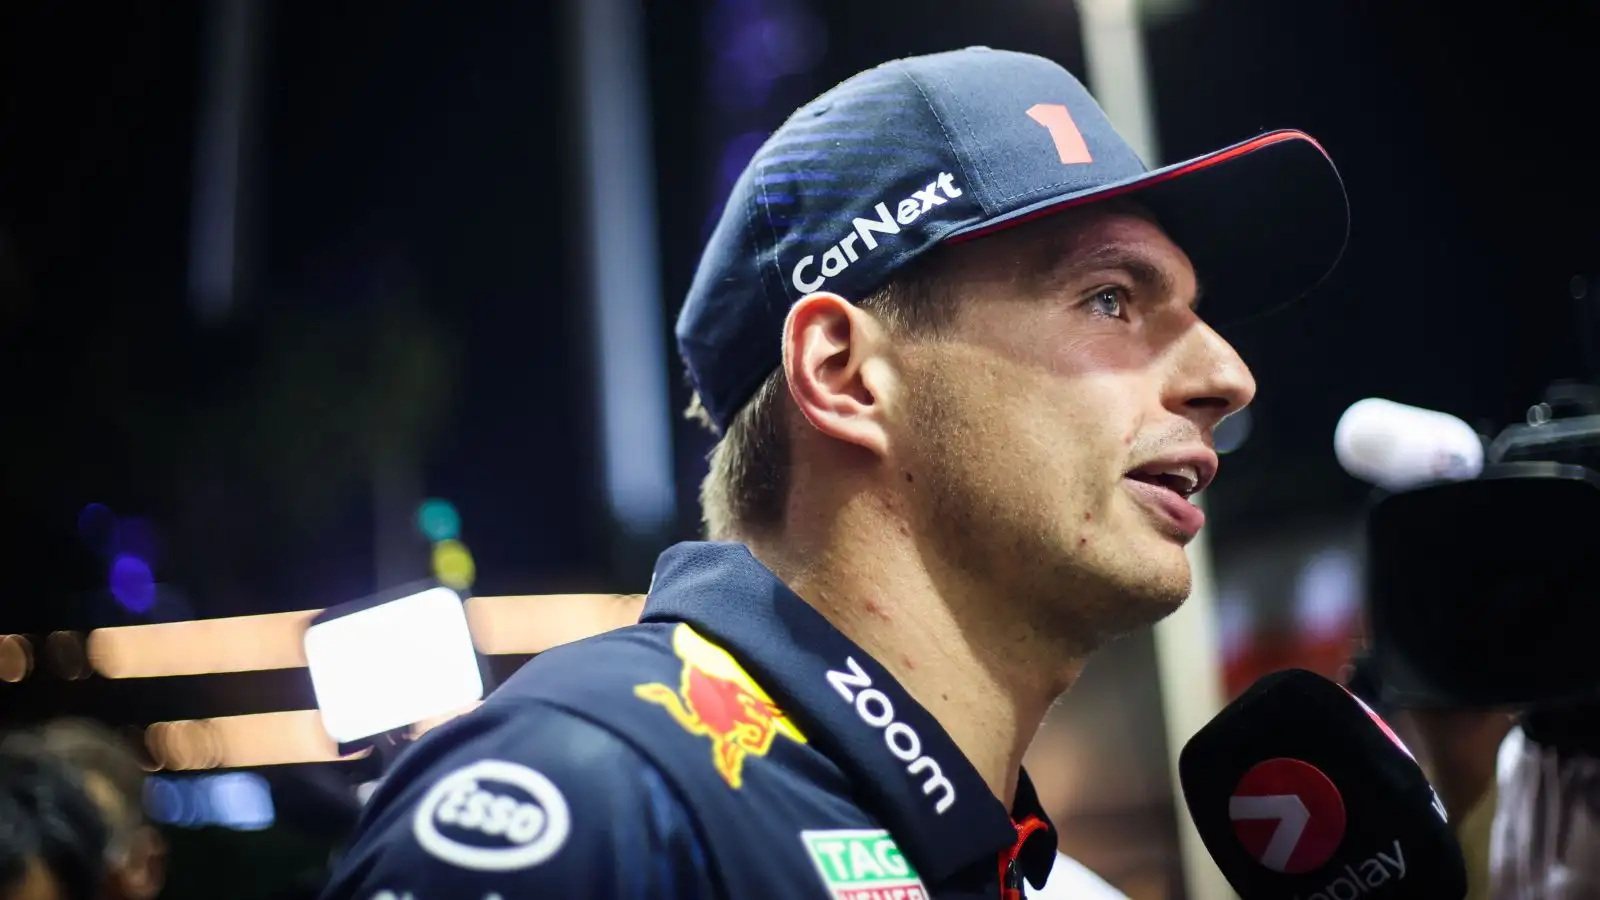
<point>1146,274</point>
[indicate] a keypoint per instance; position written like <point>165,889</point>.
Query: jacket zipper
<point>1010,871</point>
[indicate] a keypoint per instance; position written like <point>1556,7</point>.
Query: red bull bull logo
<point>716,698</point>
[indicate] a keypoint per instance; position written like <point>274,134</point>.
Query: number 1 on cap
<point>1069,140</point>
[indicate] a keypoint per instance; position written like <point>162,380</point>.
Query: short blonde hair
<point>746,491</point>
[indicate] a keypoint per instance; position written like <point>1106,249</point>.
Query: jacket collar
<point>898,758</point>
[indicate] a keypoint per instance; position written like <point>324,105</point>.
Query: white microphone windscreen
<point>1396,446</point>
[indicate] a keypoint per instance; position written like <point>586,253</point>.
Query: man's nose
<point>1211,381</point>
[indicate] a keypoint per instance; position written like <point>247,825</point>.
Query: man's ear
<point>833,357</point>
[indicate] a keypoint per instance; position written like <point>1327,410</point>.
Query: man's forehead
<point>1110,235</point>
<point>1097,235</point>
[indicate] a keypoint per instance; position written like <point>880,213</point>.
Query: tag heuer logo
<point>862,864</point>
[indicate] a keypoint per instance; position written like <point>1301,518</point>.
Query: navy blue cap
<point>954,146</point>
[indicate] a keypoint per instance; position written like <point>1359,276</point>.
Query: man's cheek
<point>1087,355</point>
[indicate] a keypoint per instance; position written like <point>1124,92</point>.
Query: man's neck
<point>958,649</point>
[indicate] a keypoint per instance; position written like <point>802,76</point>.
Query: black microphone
<point>1301,792</point>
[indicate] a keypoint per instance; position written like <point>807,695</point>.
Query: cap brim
<point>1264,221</point>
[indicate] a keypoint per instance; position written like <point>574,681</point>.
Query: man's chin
<point>1165,604</point>
<point>1161,581</point>
<point>1149,587</point>
<point>1140,607</point>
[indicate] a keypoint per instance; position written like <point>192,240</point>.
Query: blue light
<point>164,801</point>
<point>240,801</point>
<point>132,583</point>
<point>438,520</point>
<point>1233,431</point>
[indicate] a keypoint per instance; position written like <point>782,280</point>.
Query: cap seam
<point>955,151</point>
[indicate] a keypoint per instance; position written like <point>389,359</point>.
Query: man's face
<point>1044,432</point>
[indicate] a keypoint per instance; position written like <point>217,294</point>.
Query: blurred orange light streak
<point>259,739</point>
<point>534,624</point>
<point>202,647</point>
<point>16,657</point>
<point>499,625</point>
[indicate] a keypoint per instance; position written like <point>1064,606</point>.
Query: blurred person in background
<point>53,840</point>
<point>1545,843</point>
<point>1457,749</point>
<point>136,853</point>
<point>1522,791</point>
<point>947,331</point>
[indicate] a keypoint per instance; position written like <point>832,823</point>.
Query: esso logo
<point>475,809</point>
<point>493,816</point>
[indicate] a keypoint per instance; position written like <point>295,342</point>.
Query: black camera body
<point>1483,593</point>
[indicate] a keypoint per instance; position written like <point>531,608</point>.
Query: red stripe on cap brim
<point>1152,178</point>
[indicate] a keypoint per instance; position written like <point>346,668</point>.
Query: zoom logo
<point>492,816</point>
<point>1287,815</point>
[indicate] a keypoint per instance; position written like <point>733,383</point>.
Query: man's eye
<point>1110,302</point>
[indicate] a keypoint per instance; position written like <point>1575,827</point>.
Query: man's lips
<point>1165,485</point>
<point>1186,473</point>
<point>1180,516</point>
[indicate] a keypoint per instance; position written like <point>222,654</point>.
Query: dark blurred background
<point>408,310</point>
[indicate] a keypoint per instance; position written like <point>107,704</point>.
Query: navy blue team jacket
<point>733,744</point>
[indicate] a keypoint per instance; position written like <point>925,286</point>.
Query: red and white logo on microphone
<point>1288,815</point>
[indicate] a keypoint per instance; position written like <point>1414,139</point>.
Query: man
<point>136,853</point>
<point>1545,832</point>
<point>52,841</point>
<point>1457,748</point>
<point>946,330</point>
